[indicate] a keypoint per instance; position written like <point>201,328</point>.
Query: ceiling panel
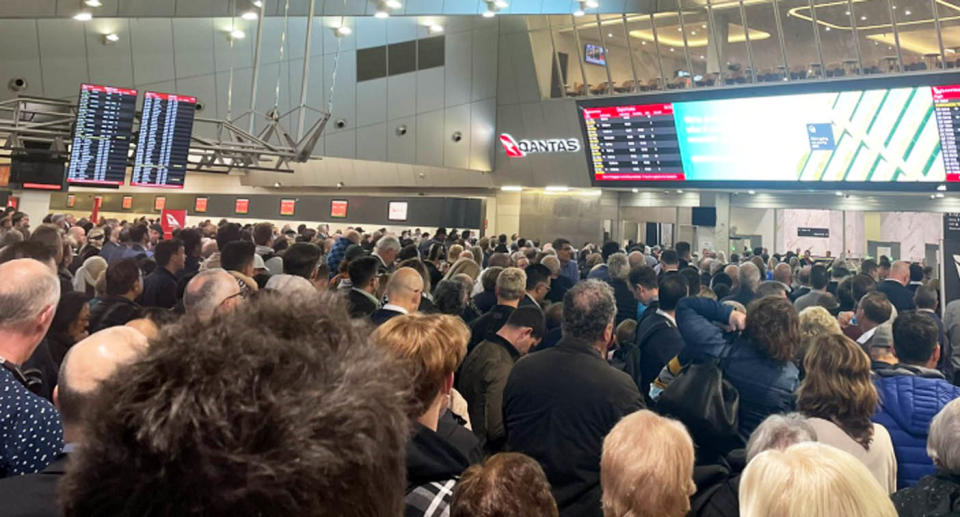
<point>110,64</point>
<point>193,46</point>
<point>19,50</point>
<point>147,8</point>
<point>64,59</point>
<point>152,50</point>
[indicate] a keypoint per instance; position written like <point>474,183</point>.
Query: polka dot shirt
<point>31,435</point>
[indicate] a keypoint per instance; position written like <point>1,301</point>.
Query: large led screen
<point>867,137</point>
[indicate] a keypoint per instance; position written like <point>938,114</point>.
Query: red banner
<point>288,206</point>
<point>172,220</point>
<point>97,203</point>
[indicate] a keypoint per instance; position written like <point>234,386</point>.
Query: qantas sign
<point>521,148</point>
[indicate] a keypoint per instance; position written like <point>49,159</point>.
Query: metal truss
<point>28,122</point>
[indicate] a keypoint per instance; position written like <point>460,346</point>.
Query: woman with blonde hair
<point>811,480</point>
<point>815,321</point>
<point>647,481</point>
<point>465,266</point>
<point>839,399</point>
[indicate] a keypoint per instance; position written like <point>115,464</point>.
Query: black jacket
<point>558,406</point>
<point>113,311</point>
<point>656,342</point>
<point>559,287</point>
<point>360,306</point>
<point>626,303</point>
<point>159,289</point>
<point>482,378</point>
<point>485,301</point>
<point>430,459</point>
<point>380,316</point>
<point>741,295</point>
<point>934,495</point>
<point>42,360</point>
<point>798,292</point>
<point>33,495</point>
<point>899,296</point>
<point>488,324</point>
<point>718,486</point>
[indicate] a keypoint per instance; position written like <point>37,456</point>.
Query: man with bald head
<point>403,293</point>
<point>895,287</point>
<point>30,432</point>
<point>211,292</point>
<point>86,365</point>
<point>783,274</point>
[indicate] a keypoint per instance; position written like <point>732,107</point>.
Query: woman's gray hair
<point>780,432</point>
<point>943,447</point>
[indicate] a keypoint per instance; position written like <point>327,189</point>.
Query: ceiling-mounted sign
<point>520,148</point>
<point>813,232</point>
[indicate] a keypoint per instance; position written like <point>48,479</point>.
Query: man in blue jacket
<point>912,392</point>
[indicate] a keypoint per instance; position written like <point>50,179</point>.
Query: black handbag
<point>706,403</point>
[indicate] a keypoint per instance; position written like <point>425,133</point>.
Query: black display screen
<point>102,135</point>
<point>164,142</point>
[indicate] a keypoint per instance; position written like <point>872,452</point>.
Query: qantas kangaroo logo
<point>172,221</point>
<point>519,149</point>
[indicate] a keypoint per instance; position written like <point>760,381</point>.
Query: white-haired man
<point>31,434</point>
<point>386,249</point>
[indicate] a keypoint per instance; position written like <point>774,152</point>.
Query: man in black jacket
<point>160,286</point>
<point>404,291</point>
<point>511,285</point>
<point>560,403</point>
<point>123,287</point>
<point>895,287</point>
<point>85,366</point>
<point>657,339</point>
<point>364,282</point>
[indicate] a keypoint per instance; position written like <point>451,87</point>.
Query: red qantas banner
<point>13,202</point>
<point>172,220</point>
<point>97,203</point>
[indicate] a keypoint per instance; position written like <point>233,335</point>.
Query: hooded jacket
<point>433,466</point>
<point>910,396</point>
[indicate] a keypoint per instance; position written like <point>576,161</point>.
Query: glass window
<point>591,46</point>
<point>802,53</point>
<point>618,53</point>
<point>568,55</point>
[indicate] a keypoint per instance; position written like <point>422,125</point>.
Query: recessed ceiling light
<point>643,42</point>
<point>500,4</point>
<point>394,4</point>
<point>92,3</point>
<point>828,29</point>
<point>381,14</point>
<point>671,49</point>
<point>609,34</point>
<point>249,15</point>
<point>257,3</point>
<point>592,4</point>
<point>435,29</point>
<point>237,34</point>
<point>863,18</point>
<point>838,193</point>
<point>847,13</point>
<point>343,30</point>
<point>83,16</point>
<point>907,12</point>
<point>703,26</point>
<point>511,188</point>
<point>679,191</point>
<point>111,38</point>
<point>578,12</point>
<point>693,33</point>
<point>636,190</point>
<point>942,188</point>
<point>751,192</point>
<point>489,14</point>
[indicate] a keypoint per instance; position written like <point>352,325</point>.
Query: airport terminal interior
<point>480,257</point>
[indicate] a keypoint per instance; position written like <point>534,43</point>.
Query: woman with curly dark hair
<point>839,399</point>
<point>761,361</point>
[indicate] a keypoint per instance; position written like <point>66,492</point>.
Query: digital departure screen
<point>102,135</point>
<point>865,137</point>
<point>164,142</point>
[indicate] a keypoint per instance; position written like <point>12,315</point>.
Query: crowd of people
<point>247,369</point>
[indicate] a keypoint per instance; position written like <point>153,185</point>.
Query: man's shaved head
<point>404,288</point>
<point>900,271</point>
<point>91,361</point>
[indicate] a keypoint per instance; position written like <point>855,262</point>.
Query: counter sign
<point>520,148</point>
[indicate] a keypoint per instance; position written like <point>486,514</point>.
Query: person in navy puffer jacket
<point>911,394</point>
<point>760,361</point>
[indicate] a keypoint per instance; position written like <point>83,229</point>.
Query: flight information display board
<point>903,135</point>
<point>164,142</point>
<point>102,135</point>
